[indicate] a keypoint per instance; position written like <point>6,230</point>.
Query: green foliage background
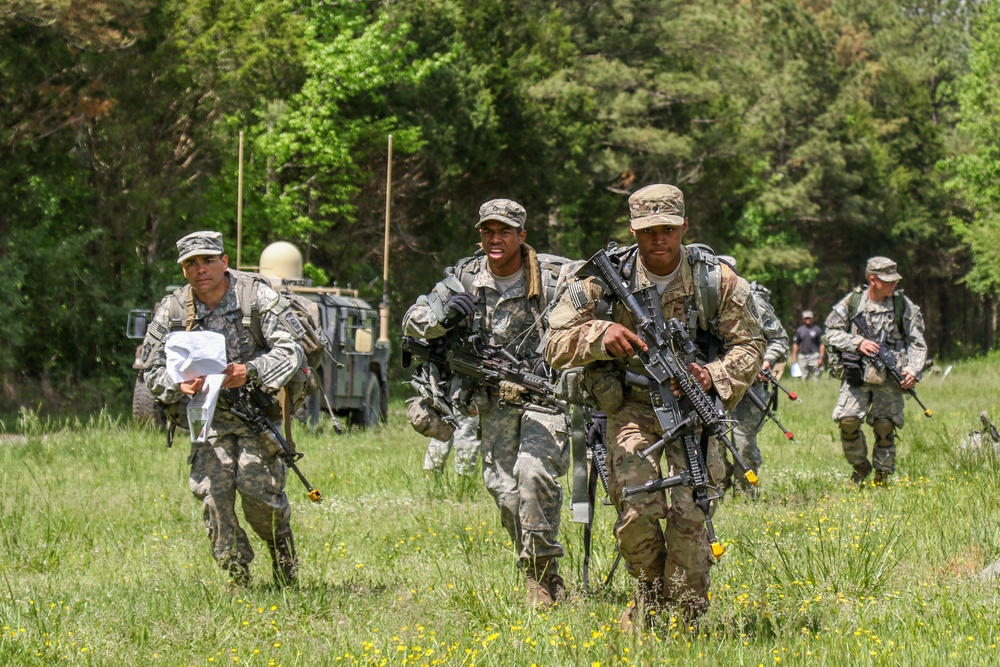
<point>807,135</point>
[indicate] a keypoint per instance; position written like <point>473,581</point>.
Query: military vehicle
<point>354,375</point>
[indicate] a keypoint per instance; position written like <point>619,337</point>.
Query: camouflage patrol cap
<point>656,205</point>
<point>807,314</point>
<point>882,268</point>
<point>507,211</point>
<point>199,243</point>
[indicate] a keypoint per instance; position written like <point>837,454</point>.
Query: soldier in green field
<point>234,460</point>
<point>671,562</point>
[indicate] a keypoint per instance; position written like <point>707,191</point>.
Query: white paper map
<point>191,354</point>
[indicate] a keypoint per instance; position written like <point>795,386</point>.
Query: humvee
<point>354,377</point>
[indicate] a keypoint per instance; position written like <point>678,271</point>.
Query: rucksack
<point>835,360</point>
<point>314,342</point>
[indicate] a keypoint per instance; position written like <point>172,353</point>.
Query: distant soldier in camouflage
<point>234,459</point>
<point>749,418</point>
<point>671,565</point>
<point>866,393</point>
<point>465,442</point>
<point>504,290</point>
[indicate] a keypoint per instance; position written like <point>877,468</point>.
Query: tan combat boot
<point>861,472</point>
<point>647,602</point>
<point>543,586</point>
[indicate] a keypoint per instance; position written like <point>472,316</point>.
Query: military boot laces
<point>861,472</point>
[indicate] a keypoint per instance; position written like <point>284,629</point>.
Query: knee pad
<point>885,431</point>
<point>850,428</point>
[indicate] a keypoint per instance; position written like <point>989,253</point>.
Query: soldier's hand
<point>459,307</point>
<point>869,348</point>
<point>700,375</point>
<point>766,366</point>
<point>192,387</point>
<point>908,381</point>
<point>236,376</point>
<point>619,341</point>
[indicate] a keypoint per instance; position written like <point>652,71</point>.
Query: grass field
<point>104,561</point>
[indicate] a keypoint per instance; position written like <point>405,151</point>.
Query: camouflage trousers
<point>678,552</point>
<point>229,464</point>
<point>811,365</point>
<point>524,454</point>
<point>749,420</point>
<point>466,445</point>
<point>868,403</point>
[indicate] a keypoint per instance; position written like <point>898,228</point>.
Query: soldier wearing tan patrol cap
<point>866,393</point>
<point>670,559</point>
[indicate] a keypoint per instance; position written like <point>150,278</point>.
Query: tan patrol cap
<point>507,211</point>
<point>199,243</point>
<point>882,268</point>
<point>656,205</point>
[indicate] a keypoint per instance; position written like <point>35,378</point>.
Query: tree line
<point>807,135</point>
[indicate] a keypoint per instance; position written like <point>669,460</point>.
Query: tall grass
<point>104,561</point>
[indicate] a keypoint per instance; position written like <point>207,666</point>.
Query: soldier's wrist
<point>253,373</point>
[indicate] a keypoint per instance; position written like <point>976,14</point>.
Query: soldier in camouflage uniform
<point>505,289</point>
<point>749,418</point>
<point>875,398</point>
<point>234,459</point>
<point>671,565</point>
<point>465,441</point>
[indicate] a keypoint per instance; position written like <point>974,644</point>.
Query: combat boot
<point>647,602</point>
<point>239,575</point>
<point>284,563</point>
<point>861,472</point>
<point>881,477</point>
<point>543,586</point>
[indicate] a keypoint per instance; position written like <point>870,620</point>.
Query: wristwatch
<point>252,372</point>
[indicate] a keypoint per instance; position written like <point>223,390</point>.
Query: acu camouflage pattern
<point>524,452</point>
<point>880,398</point>
<point>465,442</point>
<point>679,554</point>
<point>234,458</point>
<point>749,418</point>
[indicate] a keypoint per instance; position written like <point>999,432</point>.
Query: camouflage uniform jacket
<point>276,363</point>
<point>906,337</point>
<point>576,334</point>
<point>512,320</point>
<point>774,334</point>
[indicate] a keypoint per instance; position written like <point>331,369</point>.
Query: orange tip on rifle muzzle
<point>717,550</point>
<point>751,477</point>
<point>315,495</point>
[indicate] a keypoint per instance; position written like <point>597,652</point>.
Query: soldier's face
<point>206,274</point>
<point>660,247</point>
<point>502,245</point>
<point>880,289</point>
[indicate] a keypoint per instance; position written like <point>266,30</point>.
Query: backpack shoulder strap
<point>181,309</point>
<point>707,283</point>
<point>246,293</point>
<point>854,302</point>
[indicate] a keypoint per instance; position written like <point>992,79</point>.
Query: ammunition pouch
<point>428,421</point>
<point>853,375</point>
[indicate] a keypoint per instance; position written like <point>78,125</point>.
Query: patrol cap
<point>807,314</point>
<point>656,205</point>
<point>199,243</point>
<point>882,268</point>
<point>507,211</point>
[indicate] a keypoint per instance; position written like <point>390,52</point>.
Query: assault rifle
<point>885,359</point>
<point>251,404</point>
<point>770,377</point>
<point>486,365</point>
<point>677,417</point>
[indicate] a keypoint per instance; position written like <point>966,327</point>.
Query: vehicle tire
<point>144,408</point>
<point>371,412</point>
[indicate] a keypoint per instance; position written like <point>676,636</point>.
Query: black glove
<point>459,307</point>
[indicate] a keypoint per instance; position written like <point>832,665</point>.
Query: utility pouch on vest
<point>851,363</point>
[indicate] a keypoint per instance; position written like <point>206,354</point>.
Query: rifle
<point>487,365</point>
<point>761,405</point>
<point>677,417</point>
<point>597,429</point>
<point>769,376</point>
<point>250,404</point>
<point>885,359</point>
